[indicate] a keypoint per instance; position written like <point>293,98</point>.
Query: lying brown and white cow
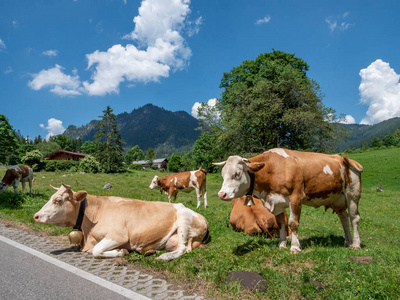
<point>288,179</point>
<point>185,181</point>
<point>254,219</point>
<point>16,174</point>
<point>112,226</point>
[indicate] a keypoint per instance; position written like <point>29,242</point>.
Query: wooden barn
<point>65,155</point>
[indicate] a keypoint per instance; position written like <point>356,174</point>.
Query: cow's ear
<point>255,167</point>
<point>80,195</point>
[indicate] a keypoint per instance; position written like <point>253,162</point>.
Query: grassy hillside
<point>324,270</point>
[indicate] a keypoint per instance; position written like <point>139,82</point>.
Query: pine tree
<point>8,141</point>
<point>109,142</point>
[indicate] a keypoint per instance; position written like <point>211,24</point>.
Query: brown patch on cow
<point>361,259</point>
<point>248,280</point>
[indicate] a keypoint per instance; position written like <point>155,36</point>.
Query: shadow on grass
<point>331,241</point>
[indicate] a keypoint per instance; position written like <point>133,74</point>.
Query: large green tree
<point>8,142</point>
<point>89,147</point>
<point>64,141</point>
<point>270,102</point>
<point>109,142</point>
<point>133,154</point>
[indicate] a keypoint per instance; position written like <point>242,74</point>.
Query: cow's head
<point>3,187</point>
<point>155,183</point>
<point>63,207</point>
<point>236,175</point>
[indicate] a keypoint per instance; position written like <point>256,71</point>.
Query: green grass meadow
<point>324,269</point>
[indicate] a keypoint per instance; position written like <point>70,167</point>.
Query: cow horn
<point>54,188</point>
<point>68,187</point>
<point>221,164</point>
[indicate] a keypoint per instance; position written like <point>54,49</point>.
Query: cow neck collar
<point>249,195</point>
<point>82,208</point>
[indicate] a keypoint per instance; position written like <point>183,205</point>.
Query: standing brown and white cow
<point>288,179</point>
<point>112,226</point>
<point>185,181</point>
<point>16,174</point>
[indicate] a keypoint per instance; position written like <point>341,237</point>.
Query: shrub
<point>135,167</point>
<point>33,157</point>
<point>89,165</point>
<point>59,165</point>
<point>9,199</point>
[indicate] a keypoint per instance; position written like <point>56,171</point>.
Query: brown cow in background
<point>254,219</point>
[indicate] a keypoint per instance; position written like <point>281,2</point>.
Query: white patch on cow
<point>327,170</point>
<point>16,168</point>
<point>276,203</point>
<point>153,183</point>
<point>176,180</point>
<point>104,249</point>
<point>193,178</point>
<point>280,152</point>
<point>181,207</point>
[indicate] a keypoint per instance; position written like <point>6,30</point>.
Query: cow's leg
<point>23,186</point>
<point>355,219</point>
<point>294,219</point>
<point>182,247</point>
<point>102,249</point>
<point>198,197</point>
<point>353,194</point>
<point>280,219</point>
<point>170,194</point>
<point>15,186</point>
<point>205,197</point>
<point>30,185</point>
<point>344,219</point>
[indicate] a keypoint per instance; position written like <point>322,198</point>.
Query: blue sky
<point>62,62</point>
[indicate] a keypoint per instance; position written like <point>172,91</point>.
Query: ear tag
<point>249,200</point>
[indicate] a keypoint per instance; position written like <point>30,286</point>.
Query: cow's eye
<point>57,201</point>
<point>237,174</point>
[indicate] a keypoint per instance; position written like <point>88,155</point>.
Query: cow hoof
<point>282,245</point>
<point>295,250</point>
<point>124,252</point>
<point>355,247</point>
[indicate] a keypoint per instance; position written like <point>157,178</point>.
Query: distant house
<point>159,162</point>
<point>65,155</point>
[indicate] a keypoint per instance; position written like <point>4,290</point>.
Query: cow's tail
<point>353,165</point>
<point>349,163</point>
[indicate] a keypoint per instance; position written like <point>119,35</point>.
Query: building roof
<point>66,152</point>
<point>143,162</point>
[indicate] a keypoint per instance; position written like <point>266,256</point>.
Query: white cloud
<point>60,83</point>
<point>348,120</point>
<point>8,70</point>
<point>2,45</point>
<point>161,49</point>
<point>380,89</point>
<point>338,22</point>
<point>196,106</point>
<point>263,20</point>
<point>54,127</point>
<point>50,52</point>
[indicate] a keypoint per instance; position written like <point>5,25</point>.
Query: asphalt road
<point>25,274</point>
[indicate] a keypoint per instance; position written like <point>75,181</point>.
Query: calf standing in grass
<point>16,174</point>
<point>185,181</point>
